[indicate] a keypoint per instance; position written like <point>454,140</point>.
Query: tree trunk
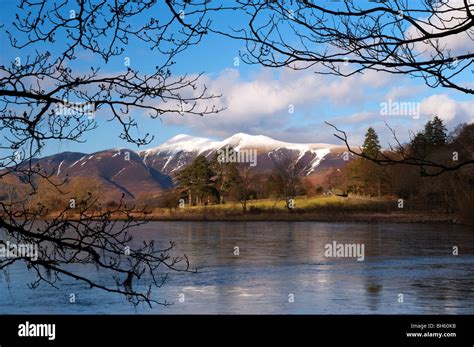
<point>244,205</point>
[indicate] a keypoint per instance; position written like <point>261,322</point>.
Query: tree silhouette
<point>406,156</point>
<point>346,37</point>
<point>431,40</point>
<point>45,97</point>
<point>288,171</point>
<point>435,132</point>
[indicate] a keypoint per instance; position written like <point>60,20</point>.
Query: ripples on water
<point>278,259</point>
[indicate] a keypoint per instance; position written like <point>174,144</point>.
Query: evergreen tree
<point>185,180</point>
<point>201,173</point>
<point>226,177</point>
<point>434,134</point>
<point>438,132</point>
<point>196,179</point>
<point>370,172</point>
<point>371,146</point>
<point>428,132</point>
<point>418,145</point>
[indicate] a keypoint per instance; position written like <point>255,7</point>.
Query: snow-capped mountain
<point>149,172</point>
<point>180,150</point>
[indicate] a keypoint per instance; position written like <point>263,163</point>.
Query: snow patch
<point>118,152</point>
<point>77,161</point>
<point>320,154</point>
<point>59,168</point>
<point>118,173</point>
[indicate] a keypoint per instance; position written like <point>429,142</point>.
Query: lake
<point>282,268</point>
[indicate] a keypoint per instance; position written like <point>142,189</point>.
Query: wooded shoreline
<point>373,218</point>
<point>312,209</point>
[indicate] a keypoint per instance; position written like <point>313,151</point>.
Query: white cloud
<point>447,16</point>
<point>451,111</point>
<point>264,101</point>
<point>259,105</point>
<point>403,92</point>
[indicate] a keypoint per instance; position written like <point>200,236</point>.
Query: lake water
<point>281,261</point>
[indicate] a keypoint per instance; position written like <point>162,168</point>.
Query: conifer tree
<point>371,173</point>
<point>371,146</point>
<point>438,132</point>
<point>196,179</point>
<point>226,177</point>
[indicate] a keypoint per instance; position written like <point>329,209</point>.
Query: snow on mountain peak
<point>179,137</point>
<point>180,150</point>
<point>189,143</point>
<point>183,142</point>
<point>242,140</point>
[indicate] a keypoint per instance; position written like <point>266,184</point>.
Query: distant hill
<point>149,172</point>
<point>118,171</point>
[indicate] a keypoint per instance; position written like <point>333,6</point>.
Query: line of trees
<point>373,175</point>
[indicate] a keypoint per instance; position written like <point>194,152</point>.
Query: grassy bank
<point>320,208</point>
<point>324,208</point>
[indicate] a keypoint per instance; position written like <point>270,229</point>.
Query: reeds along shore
<point>324,209</point>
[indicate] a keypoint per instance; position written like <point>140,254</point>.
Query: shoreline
<point>372,219</point>
<point>369,218</point>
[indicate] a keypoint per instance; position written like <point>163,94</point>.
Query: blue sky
<point>260,100</point>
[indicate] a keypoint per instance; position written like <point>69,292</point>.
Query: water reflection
<point>281,259</point>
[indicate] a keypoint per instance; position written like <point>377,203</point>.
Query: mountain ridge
<point>149,172</point>
<point>175,153</point>
<point>238,138</point>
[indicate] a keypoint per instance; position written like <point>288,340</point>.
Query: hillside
<point>149,172</point>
